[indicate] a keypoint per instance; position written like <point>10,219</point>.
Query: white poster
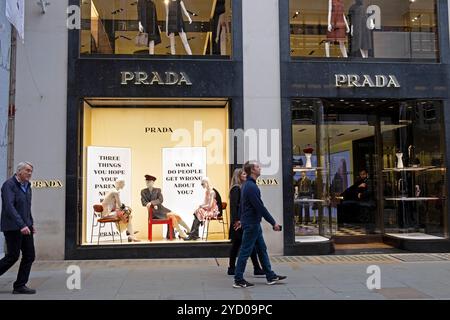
<point>15,12</point>
<point>105,166</point>
<point>183,170</point>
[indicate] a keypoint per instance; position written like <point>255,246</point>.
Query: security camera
<point>43,5</point>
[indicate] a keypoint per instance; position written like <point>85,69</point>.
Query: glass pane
<point>312,215</point>
<point>369,29</point>
<point>161,175</point>
<point>414,169</point>
<point>140,27</point>
<point>353,166</point>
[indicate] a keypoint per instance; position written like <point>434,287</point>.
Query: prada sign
<point>362,81</point>
<point>168,78</point>
<point>44,184</point>
<point>267,182</point>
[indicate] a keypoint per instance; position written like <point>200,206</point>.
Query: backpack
<point>219,202</point>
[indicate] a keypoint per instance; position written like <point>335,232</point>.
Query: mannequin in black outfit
<point>148,23</point>
<point>361,32</point>
<point>175,23</point>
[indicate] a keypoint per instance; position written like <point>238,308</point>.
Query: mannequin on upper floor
<point>148,23</point>
<point>175,24</point>
<point>337,27</point>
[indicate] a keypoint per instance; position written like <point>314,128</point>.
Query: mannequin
<point>305,192</point>
<point>152,197</point>
<point>208,209</point>
<point>112,209</point>
<point>148,23</point>
<point>361,28</point>
<point>222,27</point>
<point>175,23</point>
<point>337,26</point>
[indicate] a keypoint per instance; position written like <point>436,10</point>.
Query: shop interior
<point>368,167</point>
<point>112,27</point>
<point>175,141</point>
<point>381,29</point>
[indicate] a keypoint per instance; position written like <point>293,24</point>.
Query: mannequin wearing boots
<point>207,210</point>
<point>152,197</point>
<point>112,207</point>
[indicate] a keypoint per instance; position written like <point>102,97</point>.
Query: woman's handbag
<point>142,39</point>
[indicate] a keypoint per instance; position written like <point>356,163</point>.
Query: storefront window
<point>156,27</point>
<point>364,29</point>
<point>144,168</point>
<point>377,166</point>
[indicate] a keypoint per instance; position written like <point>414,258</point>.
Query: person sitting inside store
<point>358,203</point>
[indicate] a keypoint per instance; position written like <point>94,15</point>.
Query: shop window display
<point>163,166</point>
<point>364,29</point>
<point>363,167</point>
<point>156,27</point>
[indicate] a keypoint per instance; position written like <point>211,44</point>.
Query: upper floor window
<point>156,27</point>
<point>364,29</point>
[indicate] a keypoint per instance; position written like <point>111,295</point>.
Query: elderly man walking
<point>17,226</point>
<point>252,211</point>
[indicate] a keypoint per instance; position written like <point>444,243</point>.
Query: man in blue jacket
<point>17,226</point>
<point>251,212</point>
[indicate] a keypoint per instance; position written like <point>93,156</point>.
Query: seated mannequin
<point>152,197</point>
<point>113,208</point>
<point>207,210</point>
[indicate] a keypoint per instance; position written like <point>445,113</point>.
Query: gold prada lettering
<point>41,184</point>
<point>267,182</point>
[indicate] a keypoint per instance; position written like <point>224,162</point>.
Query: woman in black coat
<point>239,177</point>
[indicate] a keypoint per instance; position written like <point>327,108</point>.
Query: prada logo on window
<point>41,184</point>
<point>168,78</point>
<point>267,182</point>
<point>357,81</point>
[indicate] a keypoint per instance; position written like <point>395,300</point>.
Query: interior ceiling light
<point>295,14</point>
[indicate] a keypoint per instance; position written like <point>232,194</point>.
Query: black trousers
<point>236,242</point>
<point>16,242</point>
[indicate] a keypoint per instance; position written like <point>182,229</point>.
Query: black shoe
<point>242,284</point>
<point>231,271</point>
<point>259,273</point>
<point>191,237</point>
<point>275,280</point>
<point>23,290</point>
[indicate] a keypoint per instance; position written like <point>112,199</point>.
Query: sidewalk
<point>403,276</point>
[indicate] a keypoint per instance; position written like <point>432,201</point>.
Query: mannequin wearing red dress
<point>337,26</point>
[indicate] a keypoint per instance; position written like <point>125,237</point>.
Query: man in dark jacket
<point>17,226</point>
<point>251,212</point>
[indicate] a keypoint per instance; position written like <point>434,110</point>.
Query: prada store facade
<point>365,125</point>
<point>149,116</point>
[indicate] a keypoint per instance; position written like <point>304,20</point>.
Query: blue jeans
<point>253,237</point>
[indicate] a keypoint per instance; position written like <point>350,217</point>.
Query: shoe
<point>132,239</point>
<point>231,271</point>
<point>259,273</point>
<point>242,284</point>
<point>135,232</point>
<point>24,290</point>
<point>275,280</point>
<point>191,237</point>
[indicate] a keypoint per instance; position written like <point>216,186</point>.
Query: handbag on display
<point>142,39</point>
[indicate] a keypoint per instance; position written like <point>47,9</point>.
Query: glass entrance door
<point>352,152</point>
